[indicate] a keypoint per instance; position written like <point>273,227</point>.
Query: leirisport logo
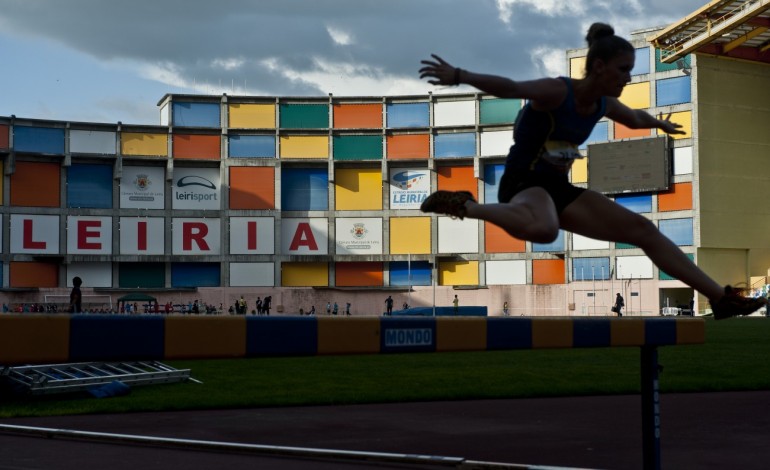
<point>194,180</point>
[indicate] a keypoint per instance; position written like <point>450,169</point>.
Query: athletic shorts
<point>555,184</point>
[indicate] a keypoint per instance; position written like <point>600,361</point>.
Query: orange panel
<point>252,187</point>
<point>456,178</point>
<point>3,137</point>
<point>678,198</point>
<point>35,184</point>
<point>408,146</point>
<point>497,240</point>
<point>623,132</point>
<point>357,116</point>
<point>197,146</point>
<point>33,274</point>
<point>358,274</point>
<point>548,271</point>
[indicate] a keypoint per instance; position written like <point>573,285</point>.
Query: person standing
<point>505,308</point>
<point>456,304</point>
<point>259,306</point>
<point>76,298</point>
<point>336,308</point>
<point>619,304</point>
<point>328,308</point>
<point>389,306</point>
<point>535,196</point>
<point>347,309</point>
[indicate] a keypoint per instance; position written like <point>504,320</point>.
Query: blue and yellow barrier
<point>31,339</point>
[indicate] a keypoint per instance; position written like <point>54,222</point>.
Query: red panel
<point>36,184</point>
<point>23,274</point>
<point>409,146</point>
<point>3,136</point>
<point>206,147</point>
<point>252,187</point>
<point>364,274</point>
<point>497,240</point>
<point>357,116</point>
<point>548,271</point>
<point>678,198</point>
<point>458,178</point>
<point>623,132</point>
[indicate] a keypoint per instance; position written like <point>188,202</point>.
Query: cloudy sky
<point>113,60</point>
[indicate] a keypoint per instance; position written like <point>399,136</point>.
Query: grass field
<point>736,356</point>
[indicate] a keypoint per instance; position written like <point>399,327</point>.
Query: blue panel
<point>599,134</point>
<point>281,336</point>
<point>407,335</point>
<point>420,271</point>
<point>678,231</point>
<point>672,91</point>
<point>89,186</point>
<point>509,333</point>
<point>591,332</point>
<point>442,312</point>
<point>304,189</point>
<point>589,269</point>
<point>38,139</point>
<point>642,63</point>
<point>659,331</point>
<point>255,146</point>
<point>115,337</point>
<point>196,114</point>
<point>492,175</point>
<point>408,115</point>
<point>638,204</point>
<point>462,144</point>
<point>195,275</point>
<point>556,245</point>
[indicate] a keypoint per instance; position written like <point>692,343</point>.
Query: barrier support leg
<point>650,408</point>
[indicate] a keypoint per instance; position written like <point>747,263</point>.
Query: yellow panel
<point>34,339</point>
<point>690,331</point>
<point>683,118</point>
<point>461,334</point>
<point>577,67</point>
<point>188,337</point>
<point>409,235</point>
<point>250,115</point>
<point>627,332</point>
<point>552,333</point>
<point>304,146</point>
<point>580,171</point>
<point>358,189</point>
<point>636,95</point>
<point>348,335</point>
<point>304,274</point>
<point>140,143</point>
<point>458,273</point>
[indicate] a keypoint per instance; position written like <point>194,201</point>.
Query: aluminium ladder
<point>74,377</point>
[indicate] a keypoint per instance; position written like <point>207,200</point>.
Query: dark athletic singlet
<point>548,140</point>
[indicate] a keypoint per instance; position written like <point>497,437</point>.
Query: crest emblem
<point>142,182</point>
<point>359,230</point>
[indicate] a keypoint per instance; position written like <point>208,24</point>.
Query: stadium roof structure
<point>738,29</point>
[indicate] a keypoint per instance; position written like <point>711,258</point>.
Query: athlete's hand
<point>439,69</point>
<point>669,127</point>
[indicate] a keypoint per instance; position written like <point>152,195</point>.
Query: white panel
<point>683,160</point>
<point>252,274</point>
<point>142,236</point>
<point>506,272</point>
<point>252,236</point>
<point>93,274</point>
<point>142,187</point>
<point>454,113</point>
<point>196,188</point>
<point>305,236</point>
<point>579,242</point>
<point>89,235</point>
<point>195,236</point>
<point>358,236</point>
<point>495,143</point>
<point>100,142</point>
<point>408,187</point>
<point>165,113</point>
<point>35,234</point>
<point>633,267</point>
<point>458,236</point>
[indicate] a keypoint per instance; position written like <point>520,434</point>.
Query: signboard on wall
<point>142,235</point>
<point>89,235</point>
<point>142,187</point>
<point>408,187</point>
<point>252,236</point>
<point>358,236</point>
<point>305,236</point>
<point>630,166</point>
<point>196,189</point>
<point>195,236</point>
<point>35,234</point>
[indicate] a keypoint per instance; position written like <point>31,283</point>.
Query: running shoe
<point>733,304</point>
<point>451,203</point>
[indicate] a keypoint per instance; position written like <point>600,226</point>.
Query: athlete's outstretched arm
<point>639,119</point>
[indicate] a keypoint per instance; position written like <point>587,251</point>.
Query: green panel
<point>499,111</point>
<point>661,67</point>
<point>142,275</point>
<point>304,116</point>
<point>624,246</point>
<point>357,147</point>
<point>665,277</point>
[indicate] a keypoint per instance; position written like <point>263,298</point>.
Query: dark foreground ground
<point>699,431</point>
